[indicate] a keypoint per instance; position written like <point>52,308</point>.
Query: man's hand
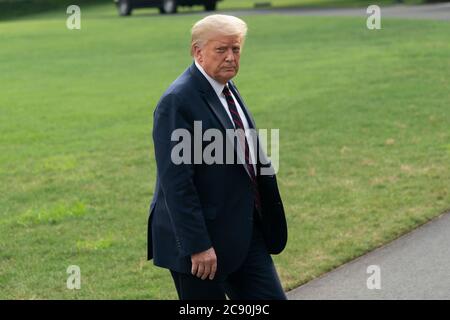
<point>204,264</point>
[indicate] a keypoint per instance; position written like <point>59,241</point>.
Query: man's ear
<point>197,53</point>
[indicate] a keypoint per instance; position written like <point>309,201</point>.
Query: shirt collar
<point>217,86</point>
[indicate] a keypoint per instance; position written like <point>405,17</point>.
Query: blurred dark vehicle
<point>125,7</point>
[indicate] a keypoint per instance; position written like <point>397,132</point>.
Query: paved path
<point>415,266</point>
<point>432,11</point>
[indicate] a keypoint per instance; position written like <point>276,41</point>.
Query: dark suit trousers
<point>256,279</point>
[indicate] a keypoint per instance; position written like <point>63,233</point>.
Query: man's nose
<point>230,55</point>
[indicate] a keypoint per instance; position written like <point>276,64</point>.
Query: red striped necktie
<point>239,125</point>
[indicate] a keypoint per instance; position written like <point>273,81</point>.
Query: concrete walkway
<point>430,11</point>
<point>415,266</point>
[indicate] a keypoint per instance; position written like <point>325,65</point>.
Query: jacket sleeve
<point>176,180</point>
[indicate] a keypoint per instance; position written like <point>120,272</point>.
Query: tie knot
<point>226,91</point>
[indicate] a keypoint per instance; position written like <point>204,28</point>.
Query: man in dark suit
<point>214,225</point>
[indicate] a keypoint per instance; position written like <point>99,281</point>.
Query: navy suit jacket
<point>198,206</point>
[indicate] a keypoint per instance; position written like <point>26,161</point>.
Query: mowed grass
<point>364,122</point>
<point>308,3</point>
<point>18,9</point>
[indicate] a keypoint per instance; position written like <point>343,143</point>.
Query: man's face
<point>219,57</point>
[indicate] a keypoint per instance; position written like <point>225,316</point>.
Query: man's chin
<point>225,76</point>
<point>229,74</point>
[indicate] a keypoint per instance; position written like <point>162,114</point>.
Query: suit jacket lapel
<point>217,108</point>
<point>242,104</point>
<point>259,153</point>
<point>211,98</point>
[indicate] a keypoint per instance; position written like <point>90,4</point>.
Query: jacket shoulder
<point>180,91</point>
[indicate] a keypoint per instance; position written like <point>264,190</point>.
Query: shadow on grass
<point>261,7</point>
<point>15,9</point>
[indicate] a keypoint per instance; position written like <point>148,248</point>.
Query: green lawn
<point>364,121</point>
<point>14,9</point>
<point>310,3</point>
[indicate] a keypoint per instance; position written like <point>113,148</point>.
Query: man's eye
<point>236,50</point>
<point>221,50</point>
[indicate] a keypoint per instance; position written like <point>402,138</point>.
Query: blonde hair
<point>216,24</point>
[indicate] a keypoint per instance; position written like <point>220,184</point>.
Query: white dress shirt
<point>218,89</point>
